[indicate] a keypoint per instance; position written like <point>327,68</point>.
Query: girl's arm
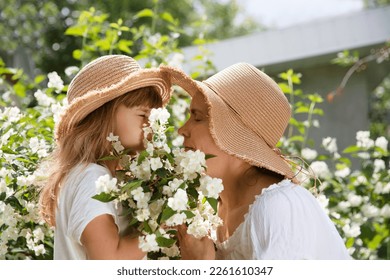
<point>101,240</point>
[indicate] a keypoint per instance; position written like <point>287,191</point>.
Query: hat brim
<point>84,105</point>
<point>229,132</point>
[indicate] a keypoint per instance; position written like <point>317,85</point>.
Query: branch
<point>379,55</point>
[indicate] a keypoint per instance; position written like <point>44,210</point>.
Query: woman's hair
<point>86,143</point>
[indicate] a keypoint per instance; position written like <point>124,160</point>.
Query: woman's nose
<point>184,131</point>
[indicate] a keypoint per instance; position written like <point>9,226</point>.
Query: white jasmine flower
<point>55,82</point>
<point>370,211</point>
<point>210,187</point>
<point>330,144</point>
<point>344,206</point>
<point>118,146</point>
<point>71,70</point>
<point>43,99</point>
<point>178,141</point>
<point>142,214</point>
<point>379,165</point>
<point>177,219</point>
<point>106,184</point>
<point>155,163</point>
<point>160,115</point>
<point>148,243</point>
<point>309,154</point>
<point>343,173</point>
<point>382,143</point>
<point>324,201</point>
<point>112,138</point>
<point>198,228</point>
<point>385,211</point>
<point>363,139</point>
<point>354,200</point>
<point>320,168</point>
<point>352,230</point>
<point>179,201</point>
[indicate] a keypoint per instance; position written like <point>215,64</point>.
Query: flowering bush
<point>162,188</point>
<point>26,138</point>
<point>354,184</point>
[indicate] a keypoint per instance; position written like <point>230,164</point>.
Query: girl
<point>239,115</point>
<point>112,94</point>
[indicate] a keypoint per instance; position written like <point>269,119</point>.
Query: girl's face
<point>128,126</point>
<point>197,136</point>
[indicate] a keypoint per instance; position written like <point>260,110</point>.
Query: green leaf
<point>147,227</point>
<point>124,45</point>
<point>167,213</point>
<point>144,13</point>
<point>352,149</point>
<point>104,197</point>
<point>213,203</point>
<point>189,214</point>
<point>76,30</point>
<point>168,17</point>
<point>165,242</point>
<point>285,88</point>
<point>108,158</point>
<point>208,156</point>
<point>132,185</point>
<point>142,156</point>
<point>77,54</point>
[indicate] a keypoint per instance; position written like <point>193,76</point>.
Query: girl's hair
<point>86,143</point>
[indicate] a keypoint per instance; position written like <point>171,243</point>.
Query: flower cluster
<point>162,188</point>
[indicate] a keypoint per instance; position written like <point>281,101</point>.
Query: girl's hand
<point>195,249</point>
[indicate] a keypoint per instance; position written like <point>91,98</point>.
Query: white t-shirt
<point>76,208</point>
<point>284,222</point>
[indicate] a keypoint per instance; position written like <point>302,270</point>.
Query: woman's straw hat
<point>103,80</point>
<point>248,113</point>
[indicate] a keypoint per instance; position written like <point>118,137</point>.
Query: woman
<point>239,115</point>
<point>111,94</point>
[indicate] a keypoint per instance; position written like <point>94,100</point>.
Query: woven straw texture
<point>103,80</point>
<point>248,113</point>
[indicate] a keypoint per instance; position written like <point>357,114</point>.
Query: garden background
<point>54,39</point>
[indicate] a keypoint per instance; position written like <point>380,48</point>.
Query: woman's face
<point>197,136</point>
<point>128,126</point>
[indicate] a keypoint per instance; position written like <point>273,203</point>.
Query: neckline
<point>224,244</point>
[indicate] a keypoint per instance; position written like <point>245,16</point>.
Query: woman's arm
<point>101,240</point>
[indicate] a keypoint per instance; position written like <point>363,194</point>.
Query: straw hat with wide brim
<point>248,113</point>
<point>103,80</point>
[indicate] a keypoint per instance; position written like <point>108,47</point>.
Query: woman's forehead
<point>198,103</point>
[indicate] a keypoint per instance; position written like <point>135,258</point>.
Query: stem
<point>154,19</point>
<point>310,115</point>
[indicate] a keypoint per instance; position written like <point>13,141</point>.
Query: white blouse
<point>284,222</point>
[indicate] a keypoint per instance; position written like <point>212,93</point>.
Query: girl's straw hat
<point>248,113</point>
<point>104,79</point>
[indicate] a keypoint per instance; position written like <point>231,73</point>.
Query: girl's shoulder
<point>87,172</point>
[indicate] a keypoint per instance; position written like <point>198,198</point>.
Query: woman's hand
<point>195,249</point>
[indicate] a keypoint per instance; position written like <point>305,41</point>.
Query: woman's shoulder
<point>283,196</point>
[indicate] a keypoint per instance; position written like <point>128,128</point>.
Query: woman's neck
<point>238,194</point>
